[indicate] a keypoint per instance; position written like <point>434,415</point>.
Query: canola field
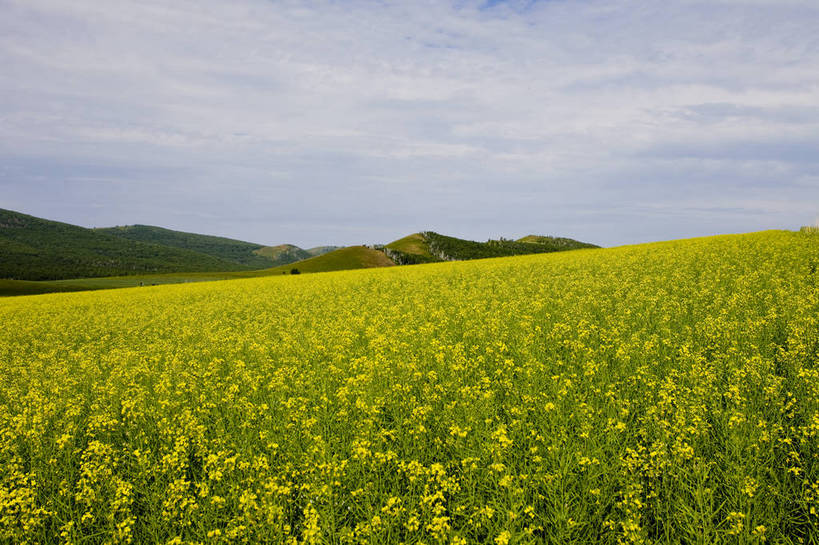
<point>661,393</point>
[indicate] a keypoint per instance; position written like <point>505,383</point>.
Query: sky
<point>350,121</point>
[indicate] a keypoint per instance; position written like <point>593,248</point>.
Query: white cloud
<point>520,112</point>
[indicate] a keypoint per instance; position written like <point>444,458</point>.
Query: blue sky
<point>344,122</point>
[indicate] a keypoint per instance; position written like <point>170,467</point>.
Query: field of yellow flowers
<point>661,393</point>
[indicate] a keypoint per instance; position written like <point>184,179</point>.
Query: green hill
<point>411,250</point>
<point>237,251</point>
<point>430,246</point>
<point>74,258</point>
<point>351,257</point>
<point>411,244</point>
<point>37,249</point>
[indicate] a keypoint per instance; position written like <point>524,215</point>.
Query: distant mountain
<point>282,254</point>
<point>37,249</point>
<point>319,250</point>
<point>237,251</point>
<point>287,253</point>
<point>429,246</point>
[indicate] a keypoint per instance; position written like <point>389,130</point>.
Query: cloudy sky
<point>352,121</point>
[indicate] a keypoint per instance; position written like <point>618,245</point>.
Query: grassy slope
<point>411,244</point>
<point>37,249</point>
<point>237,251</point>
<point>28,287</point>
<point>351,257</point>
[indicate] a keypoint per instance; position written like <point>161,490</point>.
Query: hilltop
<point>351,257</point>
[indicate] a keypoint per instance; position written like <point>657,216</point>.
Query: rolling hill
<point>350,257</point>
<point>411,250</point>
<point>42,256</point>
<point>283,254</point>
<point>411,244</point>
<point>237,251</point>
<point>32,248</point>
<point>249,254</point>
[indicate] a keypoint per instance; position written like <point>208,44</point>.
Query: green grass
<point>237,251</point>
<point>29,287</point>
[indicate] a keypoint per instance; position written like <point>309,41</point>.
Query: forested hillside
<point>37,249</point>
<point>237,251</point>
